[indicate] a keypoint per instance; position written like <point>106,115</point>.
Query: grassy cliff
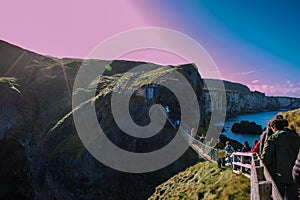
<point>293,118</point>
<point>204,181</point>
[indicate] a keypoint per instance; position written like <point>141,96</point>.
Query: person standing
<point>167,109</point>
<point>193,133</point>
<point>265,136</point>
<point>229,151</point>
<point>279,155</point>
<point>246,148</point>
<point>202,138</point>
<point>220,146</point>
<point>268,132</point>
<point>255,149</point>
<point>186,127</point>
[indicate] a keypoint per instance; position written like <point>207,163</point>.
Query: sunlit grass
<point>11,81</point>
<point>293,118</point>
<point>106,84</point>
<point>204,181</point>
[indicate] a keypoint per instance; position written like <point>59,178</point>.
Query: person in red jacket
<point>256,148</point>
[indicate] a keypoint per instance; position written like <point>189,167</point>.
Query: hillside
<point>39,161</point>
<point>293,118</point>
<point>204,181</point>
<point>44,159</point>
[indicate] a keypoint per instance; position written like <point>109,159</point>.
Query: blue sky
<point>256,42</point>
<point>253,42</point>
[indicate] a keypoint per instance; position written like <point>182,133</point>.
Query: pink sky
<point>73,28</point>
<point>67,28</point>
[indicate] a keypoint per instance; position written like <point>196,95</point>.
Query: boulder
<point>246,127</point>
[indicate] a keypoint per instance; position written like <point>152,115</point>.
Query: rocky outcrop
<point>246,127</point>
<point>238,99</point>
<point>54,164</point>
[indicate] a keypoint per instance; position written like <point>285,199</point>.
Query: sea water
<point>261,118</point>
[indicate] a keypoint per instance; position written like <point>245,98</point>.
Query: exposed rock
<point>246,127</point>
<point>36,92</point>
<point>229,86</point>
<point>57,164</point>
<point>238,100</point>
<point>13,168</point>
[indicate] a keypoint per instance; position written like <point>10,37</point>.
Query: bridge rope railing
<point>206,152</point>
<point>203,150</point>
<point>167,117</point>
<point>250,165</point>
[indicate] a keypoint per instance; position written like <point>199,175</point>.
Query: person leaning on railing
<point>279,155</point>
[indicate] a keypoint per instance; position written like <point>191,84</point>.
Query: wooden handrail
<point>263,186</point>
<point>242,163</point>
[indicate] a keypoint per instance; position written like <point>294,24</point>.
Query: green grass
<point>129,81</point>
<point>293,118</point>
<point>204,181</point>
<point>11,81</point>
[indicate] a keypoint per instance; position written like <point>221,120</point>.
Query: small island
<point>246,127</point>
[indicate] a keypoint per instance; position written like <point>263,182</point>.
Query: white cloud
<point>255,81</point>
<point>288,89</point>
<point>246,73</point>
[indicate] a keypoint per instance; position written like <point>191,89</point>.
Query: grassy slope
<point>204,181</point>
<point>293,118</point>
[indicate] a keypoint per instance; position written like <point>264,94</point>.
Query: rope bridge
<point>263,186</point>
<point>250,165</point>
<point>206,152</point>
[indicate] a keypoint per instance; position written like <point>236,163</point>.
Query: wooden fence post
<point>260,173</point>
<point>234,167</point>
<point>265,190</point>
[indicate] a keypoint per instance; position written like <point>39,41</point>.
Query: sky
<point>255,42</point>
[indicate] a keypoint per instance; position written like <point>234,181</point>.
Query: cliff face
<point>35,94</point>
<point>240,100</point>
<point>39,163</point>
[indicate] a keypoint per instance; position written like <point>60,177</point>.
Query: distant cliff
<point>239,99</point>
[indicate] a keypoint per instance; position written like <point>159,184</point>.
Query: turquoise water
<point>259,118</point>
